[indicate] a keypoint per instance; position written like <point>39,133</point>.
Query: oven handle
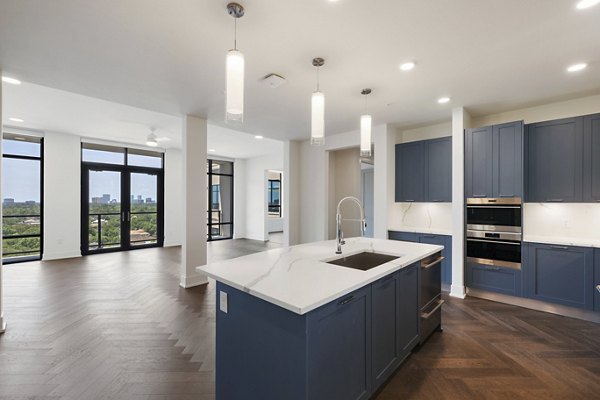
<point>430,313</point>
<point>493,241</point>
<point>491,206</point>
<point>431,264</point>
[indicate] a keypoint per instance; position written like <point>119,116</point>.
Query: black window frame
<point>270,204</point>
<point>126,170</point>
<point>9,260</point>
<point>209,225</point>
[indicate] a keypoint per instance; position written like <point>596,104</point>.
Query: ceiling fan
<point>153,140</point>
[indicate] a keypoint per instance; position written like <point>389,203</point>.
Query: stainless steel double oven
<point>494,231</point>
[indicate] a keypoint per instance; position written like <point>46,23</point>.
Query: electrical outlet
<point>223,306</point>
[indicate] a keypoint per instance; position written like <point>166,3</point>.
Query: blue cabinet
<point>479,164</point>
<point>555,161</point>
<point>339,344</point>
<point>596,280</point>
<point>403,236</point>
<point>424,171</point>
<point>494,161</point>
<point>409,317</point>
<point>410,172</point>
<point>438,170</point>
<point>591,175</point>
<point>503,280</point>
<point>560,274</point>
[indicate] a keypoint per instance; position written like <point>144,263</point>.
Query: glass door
<point>104,218</point>
<point>143,214</point>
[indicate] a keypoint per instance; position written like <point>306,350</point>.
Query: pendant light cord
<point>318,78</point>
<point>235,33</point>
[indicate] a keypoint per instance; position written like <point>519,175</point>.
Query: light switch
<point>223,301</point>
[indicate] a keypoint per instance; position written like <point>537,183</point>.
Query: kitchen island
<point>292,325</point>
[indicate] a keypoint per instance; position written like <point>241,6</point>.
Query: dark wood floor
<point>117,326</point>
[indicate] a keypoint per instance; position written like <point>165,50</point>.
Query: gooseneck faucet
<point>339,235</point>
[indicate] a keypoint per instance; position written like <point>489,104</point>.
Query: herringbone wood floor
<point>117,326</point>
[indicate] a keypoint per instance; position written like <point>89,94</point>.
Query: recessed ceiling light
<point>211,150</point>
<point>13,81</point>
<point>13,119</point>
<point>443,100</point>
<point>407,66</point>
<point>258,137</point>
<point>583,4</point>
<point>577,67</point>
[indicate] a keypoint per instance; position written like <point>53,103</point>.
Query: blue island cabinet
<point>343,350</point>
<point>596,279</point>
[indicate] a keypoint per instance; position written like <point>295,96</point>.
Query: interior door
<point>102,225</point>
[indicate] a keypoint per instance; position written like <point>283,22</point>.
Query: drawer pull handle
<point>346,300</point>
<point>429,236</point>
<point>439,260</point>
<point>493,268</point>
<point>555,200</point>
<point>430,313</point>
<point>559,247</point>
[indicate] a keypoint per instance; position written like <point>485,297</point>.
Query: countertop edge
<point>577,242</point>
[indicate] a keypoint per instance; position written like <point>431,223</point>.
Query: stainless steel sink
<point>363,261</point>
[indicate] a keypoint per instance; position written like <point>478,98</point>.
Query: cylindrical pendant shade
<point>234,108</point>
<point>365,135</point>
<point>317,135</point>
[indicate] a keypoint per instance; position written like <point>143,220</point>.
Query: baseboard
<point>2,325</point>
<point>172,244</point>
<point>457,291</point>
<point>586,315</point>
<point>193,280</point>
<point>60,256</point>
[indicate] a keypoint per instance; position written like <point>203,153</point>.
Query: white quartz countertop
<point>298,278</point>
<point>566,241</point>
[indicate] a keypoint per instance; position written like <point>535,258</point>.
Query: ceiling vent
<point>273,80</point>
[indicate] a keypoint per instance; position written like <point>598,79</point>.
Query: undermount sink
<point>363,261</point>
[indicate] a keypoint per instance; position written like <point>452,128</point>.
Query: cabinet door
<point>591,174</point>
<point>438,170</point>
<point>403,236</point>
<point>441,240</point>
<point>479,162</point>
<point>495,279</point>
<point>555,161</point>
<point>597,280</point>
<point>408,331</point>
<point>561,274</point>
<point>410,172</point>
<point>508,159</point>
<point>384,316</point>
<point>339,345</point>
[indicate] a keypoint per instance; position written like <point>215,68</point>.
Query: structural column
<point>383,195</point>
<point>195,201</point>
<point>2,322</point>
<point>460,121</point>
<point>291,193</point>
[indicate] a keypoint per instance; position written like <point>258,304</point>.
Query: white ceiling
<point>53,110</point>
<point>168,56</point>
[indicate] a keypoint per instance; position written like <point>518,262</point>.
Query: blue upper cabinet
<point>508,159</point>
<point>560,274</point>
<point>591,174</point>
<point>410,172</point>
<point>424,171</point>
<point>494,161</point>
<point>479,162</point>
<point>555,161</point>
<point>438,153</point>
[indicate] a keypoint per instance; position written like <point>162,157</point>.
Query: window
<point>274,197</point>
<point>22,208</point>
<point>220,200</point>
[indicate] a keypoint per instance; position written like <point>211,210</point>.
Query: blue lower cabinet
<point>339,344</point>
<point>446,241</point>
<point>596,280</point>
<point>408,330</point>
<point>561,274</point>
<point>385,351</point>
<point>403,236</point>
<point>495,279</point>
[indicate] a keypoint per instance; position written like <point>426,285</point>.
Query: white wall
<point>292,192</point>
<point>173,197</point>
<point>239,198</point>
<point>424,132</point>
<point>62,196</point>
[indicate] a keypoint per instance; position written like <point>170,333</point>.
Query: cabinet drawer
<point>403,236</point>
<point>495,279</point>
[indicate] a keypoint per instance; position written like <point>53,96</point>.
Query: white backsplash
<point>421,217</point>
<point>568,221</point>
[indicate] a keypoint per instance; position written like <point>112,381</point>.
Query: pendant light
<point>365,128</point>
<point>234,103</point>
<point>317,128</point>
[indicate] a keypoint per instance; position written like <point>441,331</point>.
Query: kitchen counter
<point>565,241</point>
<point>299,279</point>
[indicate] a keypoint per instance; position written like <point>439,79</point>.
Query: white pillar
<point>291,193</point>
<point>2,322</point>
<point>383,137</point>
<point>195,199</point>
<point>460,121</point>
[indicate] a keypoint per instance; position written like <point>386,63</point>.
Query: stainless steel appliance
<point>431,295</point>
<point>494,231</point>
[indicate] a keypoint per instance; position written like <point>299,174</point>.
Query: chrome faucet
<point>339,235</point>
